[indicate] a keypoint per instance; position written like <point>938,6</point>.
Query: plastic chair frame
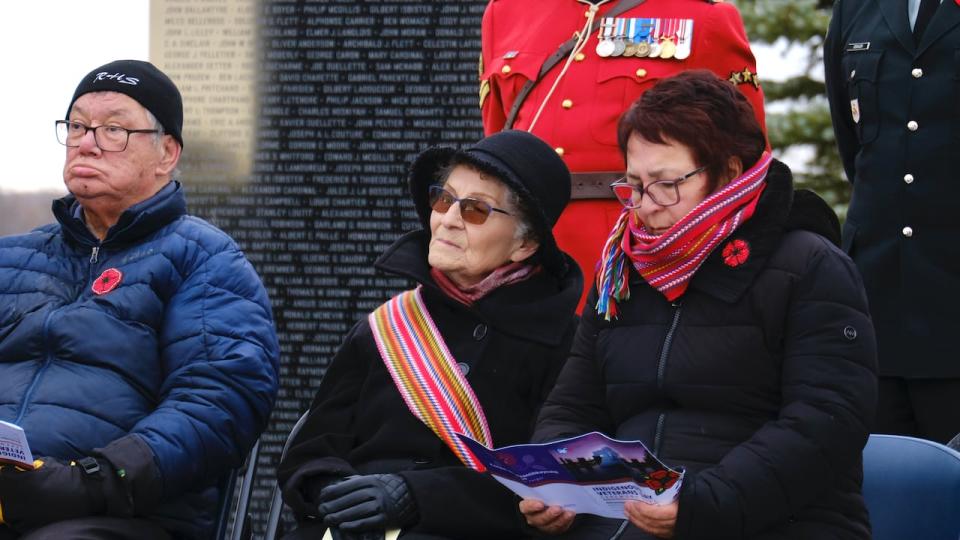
<point>276,501</point>
<point>241,522</point>
<point>910,486</point>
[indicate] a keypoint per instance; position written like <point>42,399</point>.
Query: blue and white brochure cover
<point>13,446</point>
<point>589,474</point>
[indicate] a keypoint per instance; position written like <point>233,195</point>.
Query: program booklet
<point>13,446</point>
<point>589,474</point>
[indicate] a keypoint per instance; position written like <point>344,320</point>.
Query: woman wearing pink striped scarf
<point>728,333</point>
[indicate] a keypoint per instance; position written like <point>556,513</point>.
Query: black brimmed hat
<point>525,163</point>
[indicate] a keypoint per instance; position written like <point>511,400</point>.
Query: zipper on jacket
<point>667,341</point>
<point>36,376</point>
<point>661,370</point>
<point>94,257</point>
<point>91,270</point>
<point>659,433</point>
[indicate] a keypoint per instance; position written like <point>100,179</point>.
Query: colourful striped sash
<point>426,374</point>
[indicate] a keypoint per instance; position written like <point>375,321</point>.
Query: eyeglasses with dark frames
<point>661,192</point>
<point>472,210</point>
<point>108,138</point>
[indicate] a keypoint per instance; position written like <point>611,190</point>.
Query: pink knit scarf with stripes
<point>668,261</point>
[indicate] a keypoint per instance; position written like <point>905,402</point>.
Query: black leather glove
<point>368,502</point>
<point>55,491</point>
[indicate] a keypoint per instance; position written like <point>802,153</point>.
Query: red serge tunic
<point>580,118</point>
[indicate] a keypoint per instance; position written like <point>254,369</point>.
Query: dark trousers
<point>92,528</point>
<point>924,408</point>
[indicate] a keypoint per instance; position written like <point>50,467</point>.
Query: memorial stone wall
<point>348,92</point>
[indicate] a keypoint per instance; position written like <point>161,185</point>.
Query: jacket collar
<point>761,233</point>
<point>946,17</point>
<point>536,309</point>
<point>135,222</point>
<point>895,13</point>
<point>897,19</point>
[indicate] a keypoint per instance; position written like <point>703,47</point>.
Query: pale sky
<point>41,66</point>
<point>46,47</point>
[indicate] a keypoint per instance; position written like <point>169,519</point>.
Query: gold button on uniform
<point>641,73</point>
<point>579,57</point>
<point>567,103</point>
<point>908,178</point>
<point>559,150</point>
<point>913,125</point>
<point>917,73</point>
<point>908,231</point>
<point>505,69</point>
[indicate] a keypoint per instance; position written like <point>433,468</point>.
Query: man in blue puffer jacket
<point>137,346</point>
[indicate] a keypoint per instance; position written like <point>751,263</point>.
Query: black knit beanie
<point>143,82</point>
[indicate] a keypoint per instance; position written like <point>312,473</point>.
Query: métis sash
<point>427,375</point>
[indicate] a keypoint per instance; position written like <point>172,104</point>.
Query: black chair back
<point>276,501</point>
<point>240,529</point>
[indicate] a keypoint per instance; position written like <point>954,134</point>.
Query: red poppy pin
<point>736,252</point>
<point>107,281</point>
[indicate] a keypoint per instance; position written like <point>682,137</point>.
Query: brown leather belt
<point>593,185</point>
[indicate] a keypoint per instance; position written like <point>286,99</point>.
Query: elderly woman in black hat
<point>474,349</point>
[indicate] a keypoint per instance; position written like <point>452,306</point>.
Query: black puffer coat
<point>515,340</point>
<point>760,380</point>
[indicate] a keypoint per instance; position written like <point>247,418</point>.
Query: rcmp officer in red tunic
<point>570,91</point>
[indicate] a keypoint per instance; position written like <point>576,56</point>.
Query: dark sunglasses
<point>472,210</point>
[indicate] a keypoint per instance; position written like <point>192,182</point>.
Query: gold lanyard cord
<point>582,38</point>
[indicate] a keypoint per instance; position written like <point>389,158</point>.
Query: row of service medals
<point>644,37</point>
